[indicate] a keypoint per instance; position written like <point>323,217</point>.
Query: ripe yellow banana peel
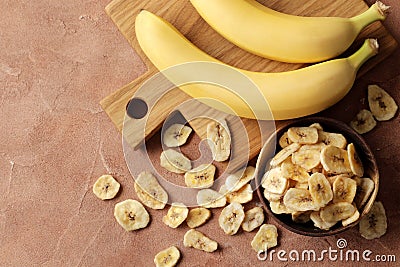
<point>283,37</point>
<point>289,94</point>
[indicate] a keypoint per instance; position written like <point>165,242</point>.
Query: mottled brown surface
<point>57,61</point>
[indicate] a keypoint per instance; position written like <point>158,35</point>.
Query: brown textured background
<point>58,59</point>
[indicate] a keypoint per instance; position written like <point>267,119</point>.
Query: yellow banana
<point>283,37</point>
<point>289,94</point>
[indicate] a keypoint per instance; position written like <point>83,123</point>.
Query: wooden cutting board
<point>185,18</point>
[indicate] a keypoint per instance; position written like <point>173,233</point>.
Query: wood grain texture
<point>185,18</point>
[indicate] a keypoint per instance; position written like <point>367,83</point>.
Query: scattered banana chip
<point>337,211</point>
<point>344,190</point>
<point>335,160</point>
<point>284,141</point>
<point>307,159</point>
<point>106,187</point>
<point>231,218</point>
<point>303,135</point>
<point>175,161</point>
<point>176,135</point>
<point>219,140</point>
<point>253,218</point>
<point>197,217</point>
<point>363,122</point>
<point>284,154</point>
<point>131,215</point>
<point>238,179</point>
<point>318,222</point>
<point>266,238</point>
<point>374,224</point>
<point>150,191</point>
<point>381,104</point>
<point>294,172</point>
<point>274,182</point>
<point>168,257</point>
<point>320,189</point>
<point>333,139</point>
<point>243,195</point>
<point>355,161</point>
<point>200,177</point>
<point>297,199</point>
<point>198,240</point>
<point>301,216</point>
<point>278,207</point>
<point>176,215</point>
<point>351,219</point>
<point>209,198</point>
<point>365,186</point>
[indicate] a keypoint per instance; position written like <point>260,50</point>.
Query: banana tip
<point>383,9</point>
<point>374,44</point>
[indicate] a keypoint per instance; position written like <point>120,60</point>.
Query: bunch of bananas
<point>273,35</point>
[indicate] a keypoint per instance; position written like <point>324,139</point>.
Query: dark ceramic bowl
<point>329,125</point>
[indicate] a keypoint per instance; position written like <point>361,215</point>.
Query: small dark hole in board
<point>136,108</point>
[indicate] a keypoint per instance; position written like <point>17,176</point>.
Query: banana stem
<point>367,50</point>
<point>376,12</point>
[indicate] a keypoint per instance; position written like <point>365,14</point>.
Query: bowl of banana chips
<point>316,176</point>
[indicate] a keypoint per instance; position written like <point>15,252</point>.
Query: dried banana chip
<point>319,223</point>
<point>131,215</point>
<point>176,135</point>
<point>284,154</point>
<point>301,216</point>
<point>274,182</point>
<point>335,160</point>
<point>167,258</point>
<point>374,224</point>
<point>238,179</point>
<point>320,189</point>
<point>365,186</point>
<point>197,217</point>
<point>363,122</point>
<point>307,159</point>
<point>351,219</point>
<point>297,199</point>
<point>231,218</point>
<point>266,238</point>
<point>278,207</point>
<point>198,240</point>
<point>337,211</point>
<point>333,139</point>
<point>150,191</point>
<point>303,135</point>
<point>243,195</point>
<point>106,187</point>
<point>355,161</point>
<point>253,218</point>
<point>209,198</point>
<point>271,196</point>
<point>176,215</point>
<point>294,172</point>
<point>175,161</point>
<point>284,140</point>
<point>317,126</point>
<point>219,140</point>
<point>381,104</point>
<point>344,190</point>
<point>200,177</point>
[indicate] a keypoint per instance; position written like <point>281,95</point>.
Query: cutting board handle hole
<point>136,108</point>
